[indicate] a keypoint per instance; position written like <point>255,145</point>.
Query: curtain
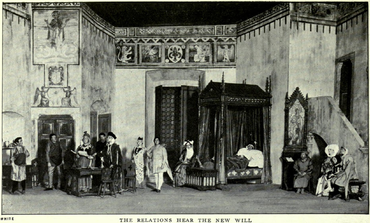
<point>266,176</point>
<point>243,126</point>
<point>204,133</point>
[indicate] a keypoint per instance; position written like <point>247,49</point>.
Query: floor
<point>233,198</point>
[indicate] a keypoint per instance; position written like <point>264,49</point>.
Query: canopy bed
<point>233,116</point>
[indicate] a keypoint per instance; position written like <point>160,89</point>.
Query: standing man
<point>54,159</point>
<point>99,148</point>
<point>112,158</point>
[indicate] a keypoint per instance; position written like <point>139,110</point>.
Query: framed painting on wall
<point>296,107</point>
<point>151,53</point>
<point>174,53</point>
<point>55,36</point>
<point>200,53</point>
<point>225,53</point>
<point>126,53</point>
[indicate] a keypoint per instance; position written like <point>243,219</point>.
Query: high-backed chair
<point>107,179</point>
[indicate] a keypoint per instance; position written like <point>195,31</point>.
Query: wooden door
<point>61,125</point>
<point>176,118</point>
<point>94,127</point>
<point>104,123</point>
<point>167,120</point>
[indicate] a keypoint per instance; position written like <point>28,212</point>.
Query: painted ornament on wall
<point>41,98</point>
<point>70,99</point>
<point>56,76</point>
<point>151,53</point>
<point>125,53</point>
<point>175,53</point>
<point>56,36</point>
<point>296,124</point>
<point>226,53</point>
<point>200,53</point>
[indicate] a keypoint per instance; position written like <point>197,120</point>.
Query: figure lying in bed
<point>245,157</point>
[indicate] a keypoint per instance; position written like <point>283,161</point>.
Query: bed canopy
<point>231,117</point>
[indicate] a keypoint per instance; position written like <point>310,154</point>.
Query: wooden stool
<point>355,190</point>
<point>106,180</point>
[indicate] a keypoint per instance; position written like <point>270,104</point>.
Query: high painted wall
<point>92,77</point>
<point>130,113</point>
<point>312,59</point>
<point>259,55</point>
<point>352,37</point>
<point>17,94</point>
<point>97,68</point>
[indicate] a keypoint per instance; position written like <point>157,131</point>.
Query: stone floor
<point>233,198</point>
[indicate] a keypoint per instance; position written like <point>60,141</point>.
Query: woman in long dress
<point>138,155</point>
<point>85,157</point>
<point>159,162</point>
<point>18,161</point>
<point>187,158</point>
<point>327,168</point>
<point>303,166</point>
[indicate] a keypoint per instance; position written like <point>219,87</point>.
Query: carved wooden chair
<point>107,180</point>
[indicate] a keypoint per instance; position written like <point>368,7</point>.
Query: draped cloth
<point>244,125</point>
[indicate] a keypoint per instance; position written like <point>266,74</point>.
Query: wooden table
<point>77,174</point>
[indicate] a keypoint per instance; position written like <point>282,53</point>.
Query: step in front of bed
<point>253,174</point>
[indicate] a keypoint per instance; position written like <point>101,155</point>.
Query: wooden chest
<point>202,179</point>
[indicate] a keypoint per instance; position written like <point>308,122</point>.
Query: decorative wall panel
<point>175,53</point>
<point>55,36</point>
<point>200,53</point>
<point>151,53</point>
<point>126,53</point>
<point>56,76</point>
<point>176,45</point>
<point>225,53</point>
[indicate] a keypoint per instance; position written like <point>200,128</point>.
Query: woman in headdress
<point>303,167</point>
<point>158,156</point>
<point>85,157</point>
<point>327,169</point>
<point>138,155</point>
<point>18,160</point>
<point>187,158</point>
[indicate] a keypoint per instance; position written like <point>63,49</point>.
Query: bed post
<point>267,168</point>
<point>222,173</point>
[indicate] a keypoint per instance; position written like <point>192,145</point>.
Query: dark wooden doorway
<point>63,127</point>
<point>176,118</point>
<point>345,91</point>
<point>104,123</point>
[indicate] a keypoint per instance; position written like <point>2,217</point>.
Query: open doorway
<point>345,90</point>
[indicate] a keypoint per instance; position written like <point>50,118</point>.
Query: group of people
<point>155,161</point>
<point>55,162</point>
<point>60,160</point>
<point>336,171</point>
